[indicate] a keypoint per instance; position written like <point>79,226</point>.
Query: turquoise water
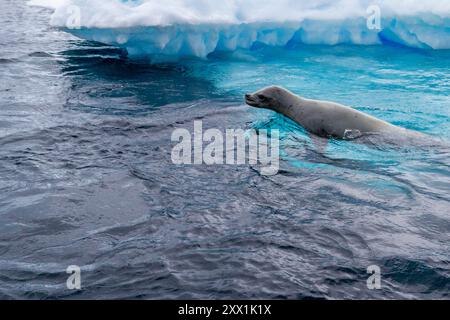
<point>407,87</point>
<point>86,176</point>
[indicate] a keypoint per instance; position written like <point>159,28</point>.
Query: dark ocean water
<point>86,176</point>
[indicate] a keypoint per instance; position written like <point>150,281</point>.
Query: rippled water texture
<point>86,176</point>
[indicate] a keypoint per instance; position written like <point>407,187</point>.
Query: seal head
<point>273,98</point>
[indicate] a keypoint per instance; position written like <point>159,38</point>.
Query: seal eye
<point>262,98</point>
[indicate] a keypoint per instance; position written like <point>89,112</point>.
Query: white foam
<point>199,27</point>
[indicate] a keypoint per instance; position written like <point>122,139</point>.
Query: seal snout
<point>250,100</point>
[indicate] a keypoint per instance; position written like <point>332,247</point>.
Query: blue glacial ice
<point>200,27</point>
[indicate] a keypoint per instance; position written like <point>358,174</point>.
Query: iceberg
<point>175,28</point>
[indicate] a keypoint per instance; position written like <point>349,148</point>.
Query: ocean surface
<point>86,176</point>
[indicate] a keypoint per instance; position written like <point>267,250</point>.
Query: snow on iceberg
<point>200,27</point>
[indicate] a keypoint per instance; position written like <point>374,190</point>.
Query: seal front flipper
<point>352,134</point>
<point>320,144</point>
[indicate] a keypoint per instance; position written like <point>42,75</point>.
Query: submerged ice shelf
<point>200,27</point>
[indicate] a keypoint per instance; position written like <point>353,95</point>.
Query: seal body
<point>323,118</point>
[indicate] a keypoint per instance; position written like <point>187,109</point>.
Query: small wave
<point>5,61</point>
<point>40,54</point>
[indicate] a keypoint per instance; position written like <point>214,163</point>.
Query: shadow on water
<point>104,81</point>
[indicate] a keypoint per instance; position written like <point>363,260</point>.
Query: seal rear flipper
<point>320,143</point>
